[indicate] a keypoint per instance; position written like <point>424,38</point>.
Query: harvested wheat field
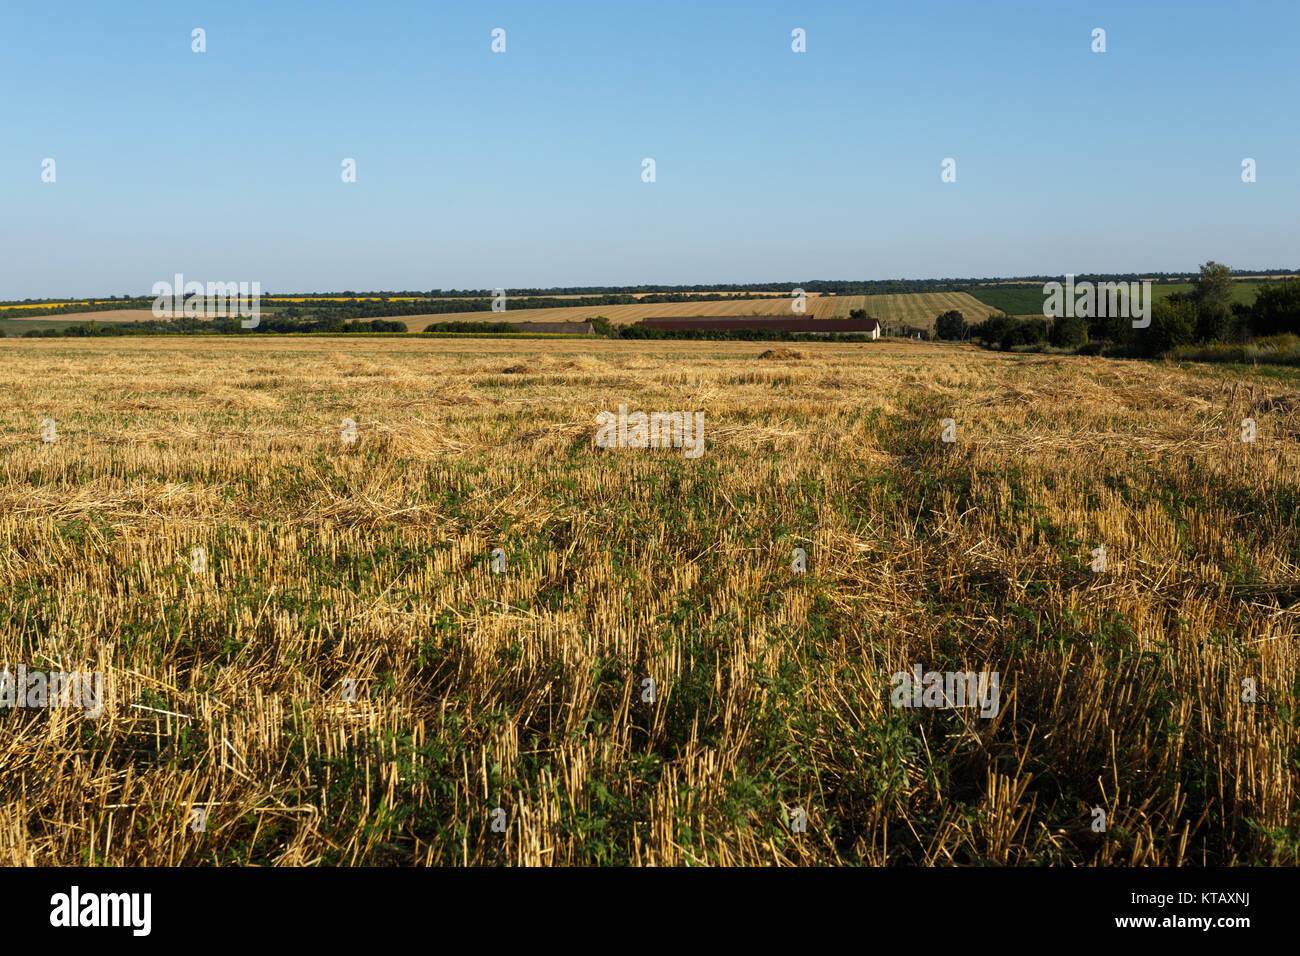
<point>917,309</point>
<point>618,314</point>
<point>351,672</point>
<point>108,315</point>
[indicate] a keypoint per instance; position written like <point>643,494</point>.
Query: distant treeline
<point>472,328</point>
<point>284,323</point>
<point>822,286</point>
<point>44,311</point>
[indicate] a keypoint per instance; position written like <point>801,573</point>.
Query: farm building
<point>865,326</point>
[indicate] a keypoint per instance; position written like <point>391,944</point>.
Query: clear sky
<point>522,169</point>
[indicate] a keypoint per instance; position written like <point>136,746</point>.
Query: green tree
<point>1276,309</point>
<point>1023,332</point>
<point>992,328</point>
<point>950,325</point>
<point>1069,332</point>
<point>1173,323</point>
<point>1212,297</point>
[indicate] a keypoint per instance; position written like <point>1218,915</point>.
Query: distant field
<point>617,314</point>
<point>113,315</point>
<point>1027,299</point>
<point>19,326</point>
<point>449,298</point>
<point>51,305</point>
<point>11,326</point>
<point>1243,292</point>
<point>1012,299</point>
<point>916,309</point>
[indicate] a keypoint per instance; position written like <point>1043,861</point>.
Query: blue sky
<point>523,169</point>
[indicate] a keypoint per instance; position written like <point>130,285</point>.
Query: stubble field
<point>915,309</point>
<point>348,681</point>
